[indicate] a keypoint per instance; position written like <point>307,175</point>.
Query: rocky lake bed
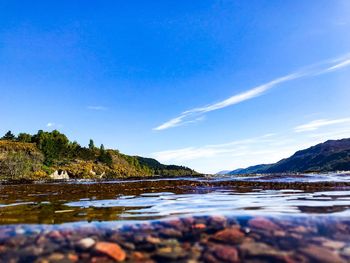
<point>226,219</point>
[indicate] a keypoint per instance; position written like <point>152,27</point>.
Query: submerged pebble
<point>86,243</point>
<point>149,243</point>
<point>111,249</point>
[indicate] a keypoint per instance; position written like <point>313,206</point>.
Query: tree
<point>105,156</point>
<point>24,137</point>
<point>91,144</point>
<point>16,165</point>
<point>73,149</point>
<point>54,145</point>
<point>8,136</point>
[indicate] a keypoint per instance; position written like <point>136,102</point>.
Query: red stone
<point>263,223</point>
<point>199,226</point>
<point>138,255</point>
<point>226,253</point>
<point>73,257</point>
<point>112,250</point>
<point>230,236</point>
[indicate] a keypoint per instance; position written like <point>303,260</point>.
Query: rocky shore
<point>188,239</point>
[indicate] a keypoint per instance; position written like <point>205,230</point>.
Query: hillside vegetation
<point>37,156</point>
<point>333,155</point>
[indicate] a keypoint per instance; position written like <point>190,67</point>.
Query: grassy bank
<point>36,157</point>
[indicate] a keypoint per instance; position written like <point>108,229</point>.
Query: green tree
<point>73,149</point>
<point>105,156</point>
<point>54,145</point>
<point>24,137</point>
<point>91,144</point>
<point>8,136</point>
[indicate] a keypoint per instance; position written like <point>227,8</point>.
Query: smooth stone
<point>322,254</point>
<point>73,257</point>
<point>226,253</point>
<point>170,232</point>
<point>170,253</point>
<point>153,240</point>
<point>346,251</point>
<point>138,255</point>
<point>263,223</point>
<point>230,236</point>
<point>111,249</point>
<point>333,244</point>
<point>258,249</point>
<point>56,257</point>
<point>86,243</point>
<point>199,226</point>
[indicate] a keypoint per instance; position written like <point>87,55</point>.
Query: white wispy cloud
<point>316,124</point>
<point>313,70</point>
<point>53,125</point>
<point>233,148</point>
<point>268,148</point>
<point>232,155</point>
<point>334,134</point>
<point>340,65</point>
<point>179,121</point>
<point>98,108</point>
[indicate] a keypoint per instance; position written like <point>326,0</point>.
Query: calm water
<point>53,203</point>
<point>286,218</point>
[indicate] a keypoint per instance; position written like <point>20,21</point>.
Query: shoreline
<point>236,178</point>
<point>198,180</point>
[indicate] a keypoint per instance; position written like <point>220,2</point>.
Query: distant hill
<point>251,170</point>
<point>223,172</point>
<point>164,169</point>
<point>332,155</point>
<point>38,156</point>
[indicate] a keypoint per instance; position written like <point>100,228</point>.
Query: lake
<point>270,218</point>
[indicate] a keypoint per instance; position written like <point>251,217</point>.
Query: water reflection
<point>157,199</point>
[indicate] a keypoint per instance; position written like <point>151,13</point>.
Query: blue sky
<point>213,85</point>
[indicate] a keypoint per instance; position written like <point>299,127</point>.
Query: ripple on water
<point>150,199</point>
<point>228,202</point>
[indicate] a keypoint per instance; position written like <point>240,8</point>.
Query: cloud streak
<point>190,116</point>
<point>267,148</point>
<point>316,124</point>
<point>234,148</point>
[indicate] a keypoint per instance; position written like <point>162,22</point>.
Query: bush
<point>17,165</point>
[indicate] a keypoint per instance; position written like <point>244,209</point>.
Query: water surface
<point>81,201</point>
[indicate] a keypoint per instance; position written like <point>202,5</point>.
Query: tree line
<point>57,152</point>
<point>57,149</point>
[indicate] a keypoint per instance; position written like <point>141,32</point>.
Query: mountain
<point>223,172</point>
<point>332,155</point>
<point>46,154</point>
<point>250,170</point>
